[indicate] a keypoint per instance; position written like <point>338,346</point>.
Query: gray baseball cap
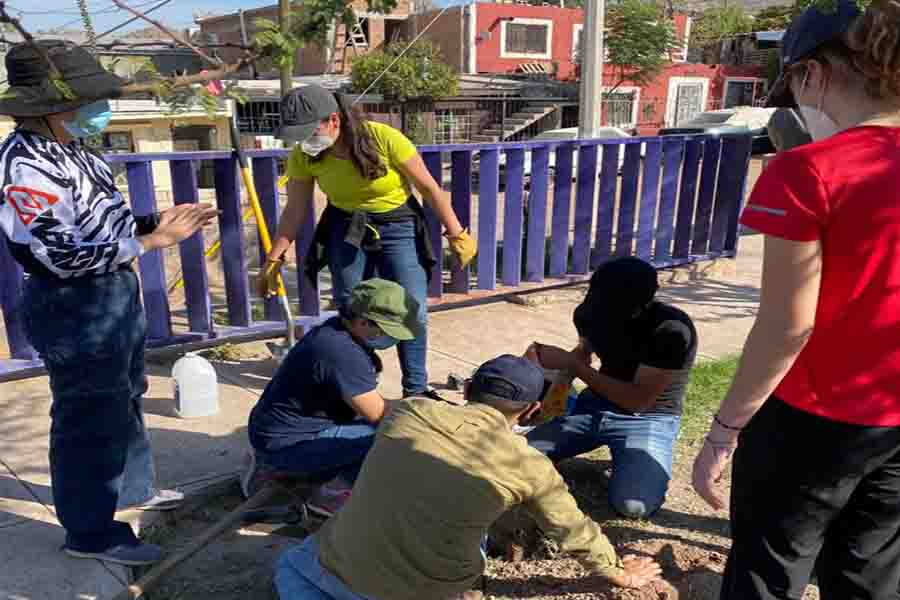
<point>302,109</point>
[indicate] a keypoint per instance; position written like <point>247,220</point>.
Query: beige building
<point>145,126</point>
<point>373,32</point>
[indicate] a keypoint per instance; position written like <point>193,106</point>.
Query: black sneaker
<point>428,392</point>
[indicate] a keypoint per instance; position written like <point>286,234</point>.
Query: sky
<point>46,14</point>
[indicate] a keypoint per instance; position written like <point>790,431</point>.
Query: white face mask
<point>316,144</point>
<point>819,125</point>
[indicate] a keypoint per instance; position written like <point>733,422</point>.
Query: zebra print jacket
<point>61,211</point>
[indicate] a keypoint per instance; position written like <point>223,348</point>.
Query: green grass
<point>709,383</point>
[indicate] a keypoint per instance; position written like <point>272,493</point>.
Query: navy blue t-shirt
<point>312,388</point>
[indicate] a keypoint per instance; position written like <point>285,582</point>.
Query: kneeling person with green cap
<point>316,419</point>
<point>436,478</point>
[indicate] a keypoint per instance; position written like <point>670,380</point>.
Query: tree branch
<point>171,34</point>
<point>130,89</point>
<point>5,17</point>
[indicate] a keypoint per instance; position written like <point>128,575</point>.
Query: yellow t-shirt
<point>346,187</point>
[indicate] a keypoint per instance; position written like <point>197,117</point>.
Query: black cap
<point>809,30</point>
<point>618,290</point>
<point>32,94</point>
<point>302,109</point>
<point>512,378</point>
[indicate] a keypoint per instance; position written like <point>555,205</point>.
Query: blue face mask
<point>89,120</point>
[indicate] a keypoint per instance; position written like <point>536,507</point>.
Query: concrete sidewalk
<point>193,453</point>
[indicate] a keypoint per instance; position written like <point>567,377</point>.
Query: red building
<point>501,38</point>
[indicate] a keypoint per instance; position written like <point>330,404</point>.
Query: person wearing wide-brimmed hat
<point>76,238</point>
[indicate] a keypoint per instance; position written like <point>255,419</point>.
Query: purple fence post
<point>488,185</point>
<point>562,207</point>
<point>650,198</point>
<point>744,154</point>
<point>732,169</point>
<point>265,178</point>
<point>584,207</point>
<point>606,204</point>
<point>687,198</point>
<point>307,289</point>
<point>537,214</point>
<point>461,196</point>
<point>10,299</point>
<point>512,217</point>
<point>708,176</point>
<point>628,199</point>
<point>673,153</point>
<point>436,168</point>
<point>192,251</point>
<point>231,232</point>
<point>142,193</point>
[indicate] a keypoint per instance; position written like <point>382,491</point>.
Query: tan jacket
<point>437,477</point>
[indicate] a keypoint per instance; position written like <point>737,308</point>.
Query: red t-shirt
<point>845,192</point>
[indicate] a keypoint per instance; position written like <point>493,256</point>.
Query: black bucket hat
<point>302,109</point>
<point>809,30</point>
<point>32,94</point>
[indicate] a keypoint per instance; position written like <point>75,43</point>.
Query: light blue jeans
<point>300,576</point>
<point>641,448</point>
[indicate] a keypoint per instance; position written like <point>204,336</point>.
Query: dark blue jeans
<point>397,261</point>
<point>641,448</point>
<point>90,333</point>
<point>338,450</point>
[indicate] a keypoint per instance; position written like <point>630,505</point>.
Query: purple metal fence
<point>672,200</point>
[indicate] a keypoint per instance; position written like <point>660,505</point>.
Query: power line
<point>399,56</point>
<point>131,20</point>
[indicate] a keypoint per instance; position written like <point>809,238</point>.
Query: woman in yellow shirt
<point>373,224</point>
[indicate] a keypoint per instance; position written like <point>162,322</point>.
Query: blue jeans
<point>336,451</point>
<point>300,576</point>
<point>641,447</point>
<point>90,333</point>
<point>397,261</point>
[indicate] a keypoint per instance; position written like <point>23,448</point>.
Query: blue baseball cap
<point>809,30</point>
<point>512,378</point>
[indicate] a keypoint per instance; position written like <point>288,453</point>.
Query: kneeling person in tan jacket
<point>436,478</point>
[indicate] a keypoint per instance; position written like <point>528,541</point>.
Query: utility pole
<point>287,80</point>
<point>591,93</point>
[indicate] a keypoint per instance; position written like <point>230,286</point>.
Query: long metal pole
<point>284,11</point>
<point>591,111</point>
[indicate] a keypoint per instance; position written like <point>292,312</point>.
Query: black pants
<point>803,488</point>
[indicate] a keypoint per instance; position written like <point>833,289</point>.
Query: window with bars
<point>527,38</point>
<point>452,126</point>
<point>113,143</point>
<point>620,108</point>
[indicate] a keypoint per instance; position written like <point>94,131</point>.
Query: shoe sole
<point>109,559</point>
<point>318,511</point>
<point>161,507</point>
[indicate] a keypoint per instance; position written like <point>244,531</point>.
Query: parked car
<point>564,134</point>
<point>744,119</point>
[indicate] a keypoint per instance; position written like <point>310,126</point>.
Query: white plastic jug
<point>196,388</point>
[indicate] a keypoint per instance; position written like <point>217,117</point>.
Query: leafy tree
<point>638,41</point>
<point>419,73</point>
<point>718,23</point>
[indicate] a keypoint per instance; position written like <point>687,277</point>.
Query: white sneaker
<point>161,500</point>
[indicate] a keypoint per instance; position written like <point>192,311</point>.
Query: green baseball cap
<point>387,304</point>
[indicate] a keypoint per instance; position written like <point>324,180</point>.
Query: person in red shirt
<point>813,414</point>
